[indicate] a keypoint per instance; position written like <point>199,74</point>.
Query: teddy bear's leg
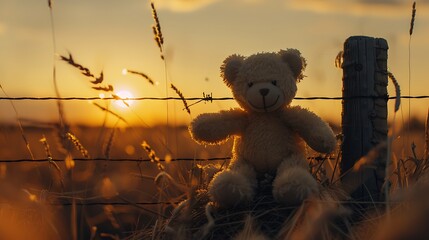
<point>233,186</point>
<point>293,182</point>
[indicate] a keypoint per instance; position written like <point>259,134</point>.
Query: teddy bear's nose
<point>264,91</point>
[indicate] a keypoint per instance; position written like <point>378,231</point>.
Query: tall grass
<point>411,31</point>
<point>185,211</point>
<point>27,143</point>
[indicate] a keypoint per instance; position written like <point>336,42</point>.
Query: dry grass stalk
<point>339,59</point>
<point>116,97</point>
<point>375,159</point>
<point>397,90</point>
<point>152,155</point>
<point>72,138</point>
<point>109,211</point>
<point>108,88</point>
<point>426,153</point>
<point>413,17</point>
<point>27,143</point>
<point>370,159</point>
<point>109,144</point>
<point>318,167</point>
<point>164,180</point>
<point>250,231</point>
<point>85,71</point>
<point>45,143</point>
<point>159,39</point>
<point>109,111</point>
<point>181,97</point>
<point>60,107</point>
<point>109,236</point>
<point>315,221</point>
<point>145,76</point>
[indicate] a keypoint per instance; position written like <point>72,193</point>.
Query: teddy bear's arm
<point>316,132</point>
<point>213,128</point>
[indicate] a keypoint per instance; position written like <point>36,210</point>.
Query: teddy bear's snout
<point>264,97</point>
<point>264,91</point>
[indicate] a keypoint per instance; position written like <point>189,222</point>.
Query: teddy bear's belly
<point>266,148</point>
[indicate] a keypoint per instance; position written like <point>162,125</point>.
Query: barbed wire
<point>111,160</point>
<point>208,99</point>
<point>138,160</point>
<point>87,204</point>
<point>102,203</point>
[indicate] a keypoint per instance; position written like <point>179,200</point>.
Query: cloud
<point>381,8</point>
<point>193,5</point>
<point>183,5</point>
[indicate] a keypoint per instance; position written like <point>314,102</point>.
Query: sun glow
<point>123,99</point>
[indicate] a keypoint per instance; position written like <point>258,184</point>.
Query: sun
<point>123,101</point>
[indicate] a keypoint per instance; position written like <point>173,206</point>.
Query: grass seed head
<point>72,138</point>
<point>397,90</point>
<point>45,143</point>
<point>185,103</point>
<point>413,18</point>
<point>152,155</point>
<point>159,39</point>
<point>145,76</point>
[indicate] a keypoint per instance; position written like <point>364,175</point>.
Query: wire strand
<point>27,160</point>
<point>198,98</point>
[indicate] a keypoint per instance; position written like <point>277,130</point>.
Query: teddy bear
<point>270,135</point>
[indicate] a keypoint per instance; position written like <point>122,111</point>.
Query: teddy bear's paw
<point>329,144</point>
<point>229,188</point>
<point>294,186</point>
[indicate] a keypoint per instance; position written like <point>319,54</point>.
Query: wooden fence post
<point>364,116</point>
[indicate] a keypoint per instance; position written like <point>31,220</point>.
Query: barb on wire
<point>206,98</point>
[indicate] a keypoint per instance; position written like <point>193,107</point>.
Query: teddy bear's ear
<point>296,62</point>
<point>230,68</point>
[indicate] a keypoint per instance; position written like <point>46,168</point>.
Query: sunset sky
<point>108,36</point>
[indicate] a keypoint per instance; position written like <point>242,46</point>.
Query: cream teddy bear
<point>269,134</point>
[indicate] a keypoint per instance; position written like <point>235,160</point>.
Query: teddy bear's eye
<point>274,82</point>
<point>250,84</point>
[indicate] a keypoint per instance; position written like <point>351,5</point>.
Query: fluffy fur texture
<point>269,134</point>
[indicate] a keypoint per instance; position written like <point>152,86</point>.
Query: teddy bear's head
<point>264,82</point>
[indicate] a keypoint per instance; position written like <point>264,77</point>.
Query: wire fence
<point>85,203</point>
<point>206,98</point>
<point>196,98</point>
<point>135,160</point>
<point>123,160</point>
